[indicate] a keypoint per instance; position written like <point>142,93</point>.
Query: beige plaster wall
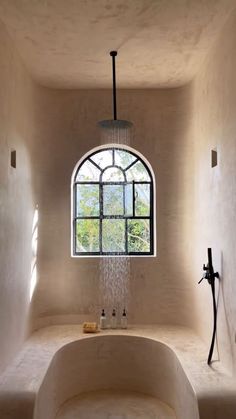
<point>175,130</point>
<point>16,199</point>
<point>214,198</point>
<point>51,130</point>
<point>68,288</point>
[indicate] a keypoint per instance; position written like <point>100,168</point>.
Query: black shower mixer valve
<point>208,274</point>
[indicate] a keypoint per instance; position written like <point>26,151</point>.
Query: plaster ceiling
<point>160,43</point>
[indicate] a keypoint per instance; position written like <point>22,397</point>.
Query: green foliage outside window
<point>114,216</point>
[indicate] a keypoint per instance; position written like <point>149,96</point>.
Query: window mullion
<point>131,164</point>
<point>126,236</point>
<point>133,198</point>
<point>126,223</point>
<point>124,199</point>
<point>95,164</point>
<point>101,215</point>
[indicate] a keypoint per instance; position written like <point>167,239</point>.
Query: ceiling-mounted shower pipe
<point>113,54</point>
<point>115,130</point>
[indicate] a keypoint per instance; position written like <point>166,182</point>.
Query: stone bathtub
<point>168,363</point>
<point>127,363</point>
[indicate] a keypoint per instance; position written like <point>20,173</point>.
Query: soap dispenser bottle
<point>113,319</point>
<point>124,321</point>
<point>103,320</point>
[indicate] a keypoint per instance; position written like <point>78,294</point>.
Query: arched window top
<point>112,198</point>
<point>113,161</point>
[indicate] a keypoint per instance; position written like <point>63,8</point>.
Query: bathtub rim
<point>114,334</point>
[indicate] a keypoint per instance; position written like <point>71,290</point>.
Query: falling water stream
<point>114,272</point>
<point>114,279</point>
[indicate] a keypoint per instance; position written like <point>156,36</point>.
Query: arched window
<point>112,204</point>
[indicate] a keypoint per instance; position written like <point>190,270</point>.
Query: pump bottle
<point>113,319</point>
<point>103,320</point>
<point>124,320</point>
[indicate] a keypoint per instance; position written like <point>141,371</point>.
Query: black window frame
<point>101,216</point>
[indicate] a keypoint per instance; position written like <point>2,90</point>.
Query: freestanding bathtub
<point>126,363</point>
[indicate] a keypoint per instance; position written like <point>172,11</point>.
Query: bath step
<point>115,405</point>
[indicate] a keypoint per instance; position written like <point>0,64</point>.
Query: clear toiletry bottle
<point>113,319</point>
<point>103,320</point>
<point>124,320</point>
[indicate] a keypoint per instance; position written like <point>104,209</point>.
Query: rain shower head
<point>115,130</point>
<point>115,124</point>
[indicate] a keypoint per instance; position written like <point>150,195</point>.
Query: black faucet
<point>210,275</point>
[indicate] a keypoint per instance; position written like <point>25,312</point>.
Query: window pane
<point>123,158</point>
<point>113,235</point>
<point>103,158</point>
<point>113,200</point>
<point>142,199</point>
<point>112,205</point>
<point>138,172</point>
<point>112,174</point>
<point>88,172</point>
<point>129,199</point>
<point>87,200</point>
<point>138,236</point>
<point>87,235</point>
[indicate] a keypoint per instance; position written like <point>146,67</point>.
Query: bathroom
<point>176,84</point>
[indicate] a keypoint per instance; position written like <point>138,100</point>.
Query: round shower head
<point>115,123</point>
<point>115,131</point>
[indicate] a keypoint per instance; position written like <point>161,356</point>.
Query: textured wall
<point>161,43</point>
<point>51,130</point>
<point>196,205</point>
<point>160,290</point>
<point>214,199</point>
<point>16,200</point>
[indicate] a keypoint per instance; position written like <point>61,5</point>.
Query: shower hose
<point>214,321</point>
<point>210,275</point>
